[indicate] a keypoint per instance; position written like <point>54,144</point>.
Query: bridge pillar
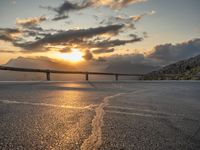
<point>86,76</point>
<point>116,77</point>
<point>48,76</point>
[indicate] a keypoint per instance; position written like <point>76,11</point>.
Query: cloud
<point>117,42</point>
<point>91,38</point>
<point>69,6</point>
<point>100,51</point>
<point>128,21</point>
<point>116,4</point>
<point>99,39</point>
<point>9,34</point>
<point>71,36</point>
<point>169,53</point>
<point>6,37</point>
<point>162,55</point>
<point>8,51</point>
<point>65,50</point>
<point>101,59</point>
<point>88,55</point>
<point>30,21</point>
<point>20,35</point>
<point>130,63</point>
<point>57,18</point>
<point>137,18</point>
<point>9,30</point>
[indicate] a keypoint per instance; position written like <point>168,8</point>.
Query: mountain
<point>183,70</point>
<point>128,67</point>
<point>39,63</point>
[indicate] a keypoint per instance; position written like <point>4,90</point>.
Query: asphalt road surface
<point>100,115</point>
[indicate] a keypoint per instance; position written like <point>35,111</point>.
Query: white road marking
<point>46,104</point>
<point>144,115</point>
<point>152,112</point>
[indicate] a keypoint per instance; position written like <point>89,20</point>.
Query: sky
<point>156,32</point>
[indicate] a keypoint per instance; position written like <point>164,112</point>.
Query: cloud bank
<point>172,52</point>
<point>71,36</point>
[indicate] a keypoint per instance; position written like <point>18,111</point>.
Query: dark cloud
<point>8,51</point>
<point>170,53</point>
<point>162,55</point>
<point>132,63</point>
<point>117,42</point>
<point>88,55</point>
<point>66,7</point>
<point>71,36</point>
<point>69,6</point>
<point>101,59</point>
<point>57,18</point>
<point>20,35</point>
<point>128,21</point>
<point>65,50</point>
<point>9,30</point>
<point>35,33</point>
<point>85,38</point>
<point>6,37</point>
<point>100,51</point>
<point>8,34</point>
<point>35,28</point>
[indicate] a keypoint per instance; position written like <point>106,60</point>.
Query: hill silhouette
<point>183,70</point>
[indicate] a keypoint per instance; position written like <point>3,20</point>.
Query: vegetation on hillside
<point>183,70</point>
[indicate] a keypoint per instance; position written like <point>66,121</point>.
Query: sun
<point>74,56</point>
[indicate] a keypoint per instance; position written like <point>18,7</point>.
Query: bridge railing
<point>48,72</point>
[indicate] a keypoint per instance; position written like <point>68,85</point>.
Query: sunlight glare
<point>75,56</point>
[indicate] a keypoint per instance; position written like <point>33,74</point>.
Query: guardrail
<point>48,72</point>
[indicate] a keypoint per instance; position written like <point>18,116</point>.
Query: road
<point>148,115</point>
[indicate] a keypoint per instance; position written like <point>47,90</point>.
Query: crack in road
<point>94,141</point>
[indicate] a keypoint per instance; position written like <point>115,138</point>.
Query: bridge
<point>49,72</point>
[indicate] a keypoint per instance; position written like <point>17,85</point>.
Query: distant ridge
<point>35,63</point>
<point>183,70</point>
<point>39,63</point>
